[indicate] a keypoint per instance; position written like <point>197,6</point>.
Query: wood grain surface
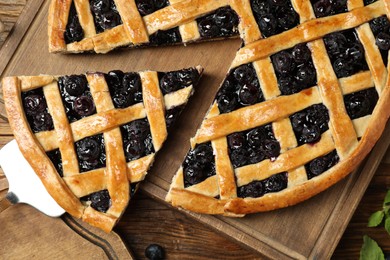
<point>148,221</point>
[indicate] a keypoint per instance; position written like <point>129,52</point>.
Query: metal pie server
<point>24,185</point>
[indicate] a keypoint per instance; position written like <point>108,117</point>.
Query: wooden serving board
<point>309,230</point>
<point>27,233</point>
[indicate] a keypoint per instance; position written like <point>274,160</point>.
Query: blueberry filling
<point>321,164</point>
<point>105,14</point>
<point>324,8</point>
<point>76,97</point>
<point>146,7</point>
<point>74,32</point>
<point>274,16</point>
<point>170,36</point>
<point>221,23</point>
<point>252,146</point>
<point>199,164</point>
<point>367,2</point>
<point>310,123</point>
<point>381,29</point>
<point>37,112</point>
<point>172,114</point>
<point>257,189</point>
<point>100,200</point>
<point>91,153</point>
<point>55,157</point>
<point>361,103</point>
<point>294,69</point>
<point>137,139</point>
<point>175,80</point>
<point>125,88</point>
<point>346,53</point>
<point>240,88</point>
<point>133,188</point>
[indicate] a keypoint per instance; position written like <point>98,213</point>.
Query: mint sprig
<point>377,218</point>
<point>370,250</point>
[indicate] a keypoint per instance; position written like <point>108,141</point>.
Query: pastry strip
<point>311,30</point>
<point>27,145</point>
<point>256,115</point>
<point>286,161</point>
<point>225,178</point>
<point>95,180</point>
<point>62,130</point>
<point>154,106</point>
<point>188,31</point>
<point>85,17</point>
<point>180,13</point>
<point>249,30</point>
<point>94,124</point>
<point>133,21</point>
<point>373,56</point>
<point>57,20</point>
<point>33,82</point>
<point>117,182</point>
<point>340,124</point>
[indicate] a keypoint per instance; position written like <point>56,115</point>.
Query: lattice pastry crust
<point>296,163</point>
<point>135,27</point>
<point>61,145</point>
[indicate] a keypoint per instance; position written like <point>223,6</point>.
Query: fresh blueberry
<point>155,252</point>
<point>254,189</point>
<point>34,104</point>
<point>101,200</point>
<point>88,149</point>
<point>383,41</point>
<point>84,106</point>
<point>276,183</point>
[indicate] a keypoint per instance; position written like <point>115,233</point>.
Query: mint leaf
<point>387,225</point>
<point>387,199</point>
<point>375,219</point>
<point>370,250</point>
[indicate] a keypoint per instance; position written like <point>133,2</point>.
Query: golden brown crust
<point>180,13</point>
<point>342,135</point>
<point>117,173</point>
<point>252,116</point>
<point>135,29</point>
<point>154,106</point>
<point>35,155</point>
<point>306,32</point>
<point>133,21</point>
<point>57,20</point>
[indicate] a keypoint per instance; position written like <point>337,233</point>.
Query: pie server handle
<point>9,200</point>
<point>24,185</point>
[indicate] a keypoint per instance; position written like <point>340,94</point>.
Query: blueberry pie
<point>91,138</point>
<point>304,101</point>
<point>103,25</point>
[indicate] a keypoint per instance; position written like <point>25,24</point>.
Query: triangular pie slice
<point>103,25</point>
<point>91,138</point>
<point>298,110</point>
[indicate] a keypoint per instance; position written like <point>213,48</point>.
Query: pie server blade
<point>24,185</point>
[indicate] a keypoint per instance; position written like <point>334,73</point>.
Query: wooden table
<point>183,238</point>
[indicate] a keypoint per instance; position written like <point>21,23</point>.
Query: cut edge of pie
<point>172,23</point>
<point>118,171</point>
<point>353,137</point>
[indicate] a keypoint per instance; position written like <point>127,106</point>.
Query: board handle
<point>2,27</point>
<point>9,200</point>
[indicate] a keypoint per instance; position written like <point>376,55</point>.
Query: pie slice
<point>298,110</point>
<point>91,138</point>
<point>103,25</point>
